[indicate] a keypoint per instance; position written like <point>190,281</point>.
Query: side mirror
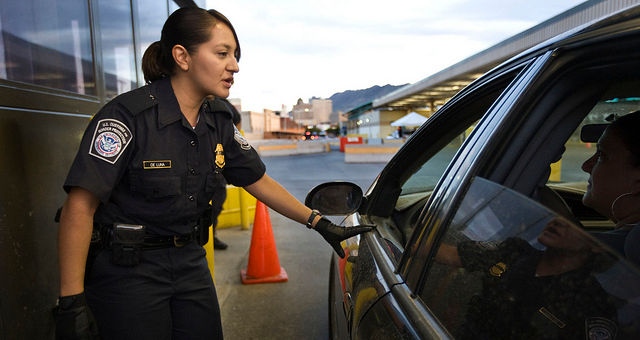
<point>335,198</point>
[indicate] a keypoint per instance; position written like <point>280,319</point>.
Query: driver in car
<point>533,294</point>
<point>614,184</point>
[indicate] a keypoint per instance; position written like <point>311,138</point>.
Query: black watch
<point>312,217</point>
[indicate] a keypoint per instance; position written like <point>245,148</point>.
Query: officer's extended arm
<point>271,193</point>
<point>74,320</point>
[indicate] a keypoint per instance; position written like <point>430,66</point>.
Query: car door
<point>370,273</point>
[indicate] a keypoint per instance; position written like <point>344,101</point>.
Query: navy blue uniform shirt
<point>147,165</point>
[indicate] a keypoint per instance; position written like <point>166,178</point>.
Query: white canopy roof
<point>411,119</point>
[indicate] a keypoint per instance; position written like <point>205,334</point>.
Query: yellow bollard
<point>247,208</point>
<point>209,250</point>
<point>556,172</point>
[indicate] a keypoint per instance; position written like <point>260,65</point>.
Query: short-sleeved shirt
<point>147,165</point>
<point>516,304</point>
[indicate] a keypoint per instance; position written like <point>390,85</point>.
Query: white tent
<point>411,119</point>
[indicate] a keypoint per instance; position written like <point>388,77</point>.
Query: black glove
<point>74,319</point>
<point>334,234</point>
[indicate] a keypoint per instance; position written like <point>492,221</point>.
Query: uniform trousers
<point>169,295</point>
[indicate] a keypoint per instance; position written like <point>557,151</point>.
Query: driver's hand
<point>334,234</point>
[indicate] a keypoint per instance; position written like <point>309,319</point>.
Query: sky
<point>314,48</point>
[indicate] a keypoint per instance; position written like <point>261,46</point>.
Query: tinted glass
<point>117,47</point>
<point>510,268</point>
<point>433,150</point>
<point>47,43</point>
<point>426,178</point>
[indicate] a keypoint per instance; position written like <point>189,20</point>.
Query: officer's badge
<point>237,135</point>
<point>110,138</point>
<point>498,269</point>
<point>598,328</point>
<point>219,156</point>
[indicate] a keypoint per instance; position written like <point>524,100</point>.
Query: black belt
<point>157,241</point>
<point>102,235</point>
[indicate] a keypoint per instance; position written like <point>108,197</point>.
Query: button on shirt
<point>151,167</point>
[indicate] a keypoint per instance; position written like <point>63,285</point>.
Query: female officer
<point>145,171</point>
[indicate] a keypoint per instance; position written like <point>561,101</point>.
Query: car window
<point>425,159</point>
<point>427,176</point>
<point>508,267</point>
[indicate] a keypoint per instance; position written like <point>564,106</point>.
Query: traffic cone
<point>263,263</point>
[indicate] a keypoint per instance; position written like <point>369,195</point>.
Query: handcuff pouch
<point>203,227</point>
<point>126,244</point>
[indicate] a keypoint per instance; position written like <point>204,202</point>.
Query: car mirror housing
<point>335,198</point>
<point>591,133</point>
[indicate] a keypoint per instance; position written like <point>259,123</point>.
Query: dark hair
<point>628,127</point>
<point>189,27</point>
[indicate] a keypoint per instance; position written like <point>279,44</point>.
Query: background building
<point>315,112</point>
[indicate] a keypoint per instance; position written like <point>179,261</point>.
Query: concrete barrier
<point>289,148</point>
<point>365,153</point>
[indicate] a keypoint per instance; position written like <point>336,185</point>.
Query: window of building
<point>117,47</point>
<point>47,43</point>
<point>151,17</point>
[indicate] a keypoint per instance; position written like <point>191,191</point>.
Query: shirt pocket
<point>156,186</point>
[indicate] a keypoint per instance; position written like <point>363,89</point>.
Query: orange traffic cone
<point>263,264</point>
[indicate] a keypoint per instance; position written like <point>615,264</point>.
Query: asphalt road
<point>296,309</point>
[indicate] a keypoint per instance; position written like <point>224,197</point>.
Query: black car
<point>496,166</point>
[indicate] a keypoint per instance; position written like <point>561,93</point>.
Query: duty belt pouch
<point>203,227</point>
<point>126,244</point>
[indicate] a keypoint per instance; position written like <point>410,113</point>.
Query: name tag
<point>156,164</point>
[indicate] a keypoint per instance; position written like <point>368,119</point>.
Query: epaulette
<point>217,105</point>
<point>138,100</point>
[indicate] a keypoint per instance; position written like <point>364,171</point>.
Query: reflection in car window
<point>509,268</point>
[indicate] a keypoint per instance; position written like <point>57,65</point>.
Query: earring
<point>613,214</point>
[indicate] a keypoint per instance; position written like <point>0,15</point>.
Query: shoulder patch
<point>110,138</point>
<point>138,100</point>
<point>598,328</point>
<point>237,135</point>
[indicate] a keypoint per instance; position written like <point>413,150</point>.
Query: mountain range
<point>350,99</point>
